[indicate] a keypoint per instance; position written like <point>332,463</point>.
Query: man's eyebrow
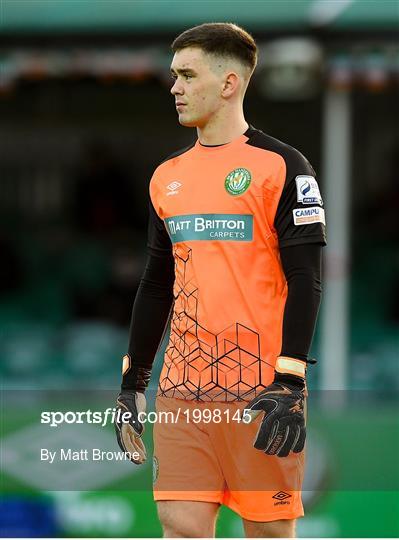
<point>182,71</point>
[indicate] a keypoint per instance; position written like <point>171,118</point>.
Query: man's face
<point>197,88</point>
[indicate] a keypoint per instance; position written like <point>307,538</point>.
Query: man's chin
<point>186,122</point>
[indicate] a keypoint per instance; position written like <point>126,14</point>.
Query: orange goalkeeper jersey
<point>226,211</point>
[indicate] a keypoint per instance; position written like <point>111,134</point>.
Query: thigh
<point>189,519</point>
<point>248,469</point>
<point>283,528</point>
<point>260,488</point>
<point>185,464</point>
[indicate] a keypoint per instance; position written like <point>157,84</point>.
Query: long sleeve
<point>302,269</point>
<point>152,305</point>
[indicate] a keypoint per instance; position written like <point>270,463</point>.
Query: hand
<point>128,433</point>
<point>283,426</point>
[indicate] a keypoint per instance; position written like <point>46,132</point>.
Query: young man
<point>233,275</point>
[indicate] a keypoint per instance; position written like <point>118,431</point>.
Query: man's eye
<point>188,77</point>
<point>174,77</point>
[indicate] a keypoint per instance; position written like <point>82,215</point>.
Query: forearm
<point>150,315</point>
<point>302,268</point>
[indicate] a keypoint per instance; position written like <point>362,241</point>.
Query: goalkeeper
<point>232,283</point>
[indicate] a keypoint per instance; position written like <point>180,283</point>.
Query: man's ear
<point>230,85</point>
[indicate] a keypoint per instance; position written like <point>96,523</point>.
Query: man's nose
<point>177,88</point>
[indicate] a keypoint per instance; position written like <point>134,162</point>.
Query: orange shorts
<point>203,453</point>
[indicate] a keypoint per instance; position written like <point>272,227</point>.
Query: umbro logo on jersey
<point>173,188</point>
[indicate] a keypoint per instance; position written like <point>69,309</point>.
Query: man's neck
<point>222,130</point>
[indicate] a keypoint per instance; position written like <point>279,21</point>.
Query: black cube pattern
<point>199,364</point>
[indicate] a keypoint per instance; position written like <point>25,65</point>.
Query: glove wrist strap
<point>135,377</point>
<point>290,366</point>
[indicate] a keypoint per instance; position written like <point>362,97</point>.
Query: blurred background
<point>86,116</point>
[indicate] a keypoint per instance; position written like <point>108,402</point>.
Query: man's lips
<point>180,104</point>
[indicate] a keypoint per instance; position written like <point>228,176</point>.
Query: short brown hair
<point>224,39</point>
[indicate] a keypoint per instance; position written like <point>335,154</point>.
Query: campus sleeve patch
<point>306,216</point>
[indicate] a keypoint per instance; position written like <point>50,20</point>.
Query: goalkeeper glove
<point>131,399</point>
<point>283,427</point>
<point>128,433</point>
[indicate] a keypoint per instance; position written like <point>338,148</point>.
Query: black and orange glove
<point>283,427</point>
<point>130,403</point>
<point>128,433</point>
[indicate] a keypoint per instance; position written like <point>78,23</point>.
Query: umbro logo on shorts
<point>281,497</point>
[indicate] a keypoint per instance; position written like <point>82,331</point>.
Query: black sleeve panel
<point>302,269</point>
<point>152,305</point>
<point>300,178</point>
<point>298,194</point>
<point>158,240</point>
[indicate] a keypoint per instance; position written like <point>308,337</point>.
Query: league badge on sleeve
<point>307,190</point>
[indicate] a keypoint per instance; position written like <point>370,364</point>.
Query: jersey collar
<point>220,147</point>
